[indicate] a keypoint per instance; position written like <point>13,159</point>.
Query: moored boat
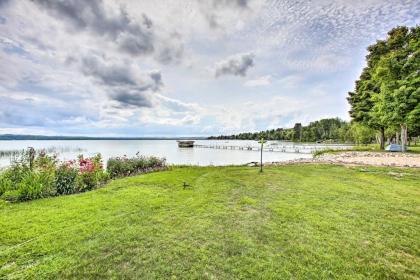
<point>185,143</point>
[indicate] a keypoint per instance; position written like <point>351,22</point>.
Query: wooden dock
<point>301,148</point>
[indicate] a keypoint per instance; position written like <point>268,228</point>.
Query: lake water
<point>69,149</point>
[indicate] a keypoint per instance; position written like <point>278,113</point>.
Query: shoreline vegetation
<point>331,130</point>
<point>37,174</point>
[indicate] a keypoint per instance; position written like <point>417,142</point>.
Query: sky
<point>183,67</point>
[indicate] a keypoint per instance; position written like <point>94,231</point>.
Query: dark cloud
<point>135,38</point>
<point>236,65</point>
<point>122,84</point>
<point>231,3</point>
<point>156,76</point>
<point>111,75</point>
<point>3,3</point>
<point>131,98</point>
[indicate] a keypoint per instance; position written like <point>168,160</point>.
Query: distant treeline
<point>44,137</point>
<point>332,129</point>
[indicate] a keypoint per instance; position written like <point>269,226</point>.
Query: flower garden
<point>36,174</point>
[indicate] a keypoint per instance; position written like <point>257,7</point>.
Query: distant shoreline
<point>17,137</point>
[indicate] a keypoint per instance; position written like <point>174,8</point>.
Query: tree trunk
<point>397,138</point>
<point>382,138</point>
<point>403,138</point>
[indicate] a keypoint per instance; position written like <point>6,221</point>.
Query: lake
<point>69,149</point>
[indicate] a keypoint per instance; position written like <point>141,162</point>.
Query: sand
<point>364,158</point>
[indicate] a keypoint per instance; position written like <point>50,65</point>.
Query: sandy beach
<point>365,158</point>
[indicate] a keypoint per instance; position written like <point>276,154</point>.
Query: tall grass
<point>49,150</point>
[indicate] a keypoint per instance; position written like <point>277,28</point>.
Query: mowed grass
<point>296,221</point>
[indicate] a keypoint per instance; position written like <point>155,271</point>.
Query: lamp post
<point>262,141</point>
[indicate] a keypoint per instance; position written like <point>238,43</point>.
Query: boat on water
<point>185,143</point>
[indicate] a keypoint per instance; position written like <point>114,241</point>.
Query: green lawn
<point>296,221</point>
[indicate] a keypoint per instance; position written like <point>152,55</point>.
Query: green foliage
<point>332,129</point>
<point>91,173</point>
<point>123,166</point>
<point>86,181</point>
<point>40,175</point>
<point>387,94</point>
<point>362,134</point>
<point>65,179</point>
<point>37,184</point>
<point>11,195</point>
<point>6,182</point>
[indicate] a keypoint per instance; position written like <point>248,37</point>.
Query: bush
<point>36,175</point>
<point>91,173</point>
<point>36,185</point>
<point>123,166</point>
<point>86,182</point>
<point>11,195</point>
<point>5,183</point>
<point>16,173</point>
<point>12,176</point>
<point>65,179</point>
<point>45,161</point>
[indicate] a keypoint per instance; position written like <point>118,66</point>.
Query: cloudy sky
<point>187,67</point>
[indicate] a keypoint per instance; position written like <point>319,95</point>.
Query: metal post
<point>261,156</point>
<point>262,147</point>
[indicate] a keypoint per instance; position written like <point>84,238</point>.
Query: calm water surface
<point>69,149</point>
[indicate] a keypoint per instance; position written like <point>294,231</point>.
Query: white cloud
<point>260,81</point>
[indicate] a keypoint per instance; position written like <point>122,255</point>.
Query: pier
<point>292,148</point>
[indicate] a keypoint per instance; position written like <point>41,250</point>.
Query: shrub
<point>123,166</point>
<point>11,195</point>
<point>86,182</point>
<point>65,178</point>
<point>91,173</point>
<point>15,173</point>
<point>37,184</point>
<point>5,183</point>
<point>12,176</point>
<point>44,161</point>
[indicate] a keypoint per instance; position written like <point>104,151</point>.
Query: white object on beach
<point>393,148</point>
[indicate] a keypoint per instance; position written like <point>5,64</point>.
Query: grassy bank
<point>298,221</point>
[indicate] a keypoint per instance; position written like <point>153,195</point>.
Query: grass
<point>296,221</point>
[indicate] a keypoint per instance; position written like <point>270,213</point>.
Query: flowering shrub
<point>36,174</point>
<point>86,165</point>
<point>91,173</point>
<point>123,166</point>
